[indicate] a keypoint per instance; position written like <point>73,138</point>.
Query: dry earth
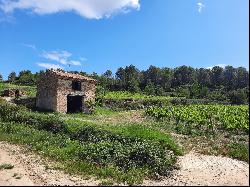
<point>203,170</point>
<point>33,170</point>
<point>195,169</point>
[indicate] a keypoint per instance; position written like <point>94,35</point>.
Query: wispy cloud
<point>63,57</point>
<point>220,65</point>
<point>49,66</point>
<point>91,9</point>
<point>200,6</point>
<point>29,46</point>
<point>75,62</point>
<point>6,18</point>
<point>83,59</point>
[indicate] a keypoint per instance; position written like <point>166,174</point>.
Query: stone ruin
<point>64,92</point>
<point>15,93</point>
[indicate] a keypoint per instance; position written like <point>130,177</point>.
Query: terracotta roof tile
<point>71,75</point>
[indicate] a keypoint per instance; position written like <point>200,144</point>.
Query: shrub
<point>238,97</point>
<point>103,148</point>
<point>20,114</point>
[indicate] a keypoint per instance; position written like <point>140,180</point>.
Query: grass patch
<point>239,151</point>
<point>6,166</point>
<point>106,183</point>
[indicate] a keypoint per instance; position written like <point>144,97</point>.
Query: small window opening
<point>76,85</point>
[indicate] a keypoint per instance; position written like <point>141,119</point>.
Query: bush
<point>103,148</point>
<point>20,114</point>
<point>238,97</point>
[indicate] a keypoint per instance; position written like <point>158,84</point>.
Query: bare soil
<point>195,169</point>
<point>202,170</point>
<point>33,170</point>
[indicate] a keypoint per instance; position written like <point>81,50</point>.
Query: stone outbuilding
<point>64,92</point>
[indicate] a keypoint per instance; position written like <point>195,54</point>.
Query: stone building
<point>64,92</point>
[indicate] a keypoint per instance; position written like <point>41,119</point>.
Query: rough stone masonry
<point>64,92</point>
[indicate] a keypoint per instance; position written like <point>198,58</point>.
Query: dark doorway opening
<point>74,104</point>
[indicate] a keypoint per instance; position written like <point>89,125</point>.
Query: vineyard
<point>120,95</point>
<point>204,117</point>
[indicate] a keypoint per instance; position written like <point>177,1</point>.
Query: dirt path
<point>203,170</point>
<point>32,170</point>
<point>195,169</point>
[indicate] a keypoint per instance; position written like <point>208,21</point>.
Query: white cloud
<point>75,62</point>
<point>49,66</point>
<point>83,59</point>
<point>57,56</point>
<point>91,9</point>
<point>200,6</point>
<point>220,65</point>
<point>61,57</point>
<point>29,46</point>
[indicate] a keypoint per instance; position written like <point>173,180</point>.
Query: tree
<point>217,76</point>
<point>194,90</point>
<point>229,76</point>
<point>166,78</point>
<point>121,78</point>
<point>26,78</point>
<point>203,77</point>
<point>150,88</point>
<point>159,90</point>
<point>242,77</point>
<point>183,75</point>
<point>12,77</point>
<point>108,74</point>
<point>204,92</point>
<point>133,86</point>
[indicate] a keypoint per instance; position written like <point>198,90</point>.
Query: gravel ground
<point>203,170</point>
<point>195,169</point>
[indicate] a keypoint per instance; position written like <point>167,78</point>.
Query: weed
<point>6,166</point>
<point>106,183</point>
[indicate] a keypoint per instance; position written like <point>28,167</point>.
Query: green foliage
<point>238,97</point>
<point>150,89</point>
<point>121,95</point>
<point>6,166</point>
<point>30,91</point>
<point>126,149</point>
<point>239,151</point>
<point>12,77</point>
<point>19,114</point>
<point>26,78</point>
<point>217,95</point>
<point>204,118</point>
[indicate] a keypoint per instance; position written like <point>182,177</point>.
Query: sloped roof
<point>67,75</point>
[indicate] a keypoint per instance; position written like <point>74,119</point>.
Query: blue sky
<point>96,35</point>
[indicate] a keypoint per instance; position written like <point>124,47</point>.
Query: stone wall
<point>27,102</point>
<point>89,90</point>
<point>52,92</point>
<point>65,88</point>
<point>47,92</point>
